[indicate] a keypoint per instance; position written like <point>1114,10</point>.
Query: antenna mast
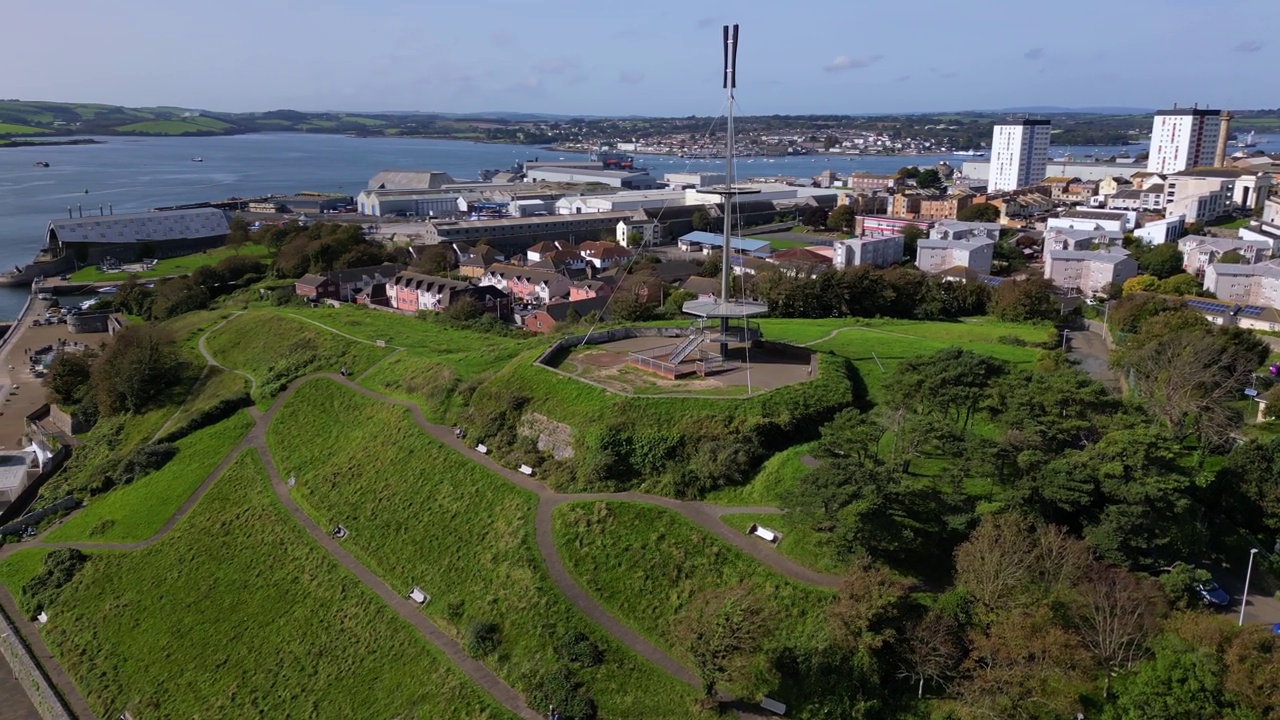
<point>730,82</point>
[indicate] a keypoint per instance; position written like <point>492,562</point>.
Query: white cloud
<point>846,62</point>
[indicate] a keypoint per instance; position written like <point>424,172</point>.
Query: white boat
<point>88,304</point>
<point>112,290</point>
<point>969,153</point>
<point>197,159</point>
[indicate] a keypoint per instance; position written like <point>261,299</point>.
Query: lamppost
<point>1244,599</point>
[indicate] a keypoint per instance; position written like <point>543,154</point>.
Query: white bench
<point>418,596</point>
<point>773,706</point>
<point>482,449</point>
<point>43,617</point>
<point>526,470</point>
<point>764,533</point>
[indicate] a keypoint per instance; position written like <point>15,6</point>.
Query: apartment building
<point>1200,251</point>
<point>1183,138</point>
<point>946,208</point>
<point>1110,220</point>
<point>1071,239</point>
<point>935,255</point>
<point>1089,272</point>
<point>870,182</point>
<point>1245,284</point>
<point>526,284</point>
<point>1019,154</point>
<point>878,251</point>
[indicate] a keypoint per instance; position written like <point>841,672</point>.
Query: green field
<point>877,346</point>
<point>239,612</point>
<point>173,127</point>
<point>20,567</point>
<point>138,510</point>
<point>216,386</point>
<point>173,266</point>
<point>11,129</point>
<point>781,243</point>
<point>420,514</point>
<point>645,564</point>
<point>276,349</point>
<point>371,122</point>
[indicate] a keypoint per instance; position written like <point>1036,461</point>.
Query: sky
<point>657,57</point>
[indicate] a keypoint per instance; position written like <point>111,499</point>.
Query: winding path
<point>702,514</point>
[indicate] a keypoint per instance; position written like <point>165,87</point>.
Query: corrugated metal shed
<point>141,227</point>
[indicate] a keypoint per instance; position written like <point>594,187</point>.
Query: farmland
<point>419,514</point>
<point>301,638</point>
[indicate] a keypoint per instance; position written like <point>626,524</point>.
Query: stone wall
<point>28,673</point>
<point>553,437</point>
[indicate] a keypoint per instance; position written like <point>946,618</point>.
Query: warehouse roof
<point>140,227</point>
<point>410,179</point>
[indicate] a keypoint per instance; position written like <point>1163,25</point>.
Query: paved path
<point>704,515</point>
<point>208,358</point>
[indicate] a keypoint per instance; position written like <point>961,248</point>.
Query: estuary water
<point>136,174</point>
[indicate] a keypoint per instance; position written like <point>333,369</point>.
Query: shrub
<point>558,688</point>
<point>60,566</point>
<point>212,415</point>
<point>481,638</point>
<point>145,460</point>
<point>578,650</point>
<point>1013,340</point>
<point>455,609</point>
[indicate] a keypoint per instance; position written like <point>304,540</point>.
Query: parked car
<point>1211,594</point>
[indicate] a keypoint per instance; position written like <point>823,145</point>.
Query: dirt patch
<point>553,437</point>
<point>601,358</point>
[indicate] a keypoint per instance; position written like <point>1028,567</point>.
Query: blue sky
<point>659,57</point>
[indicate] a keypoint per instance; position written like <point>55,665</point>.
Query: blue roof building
<point>755,248</point>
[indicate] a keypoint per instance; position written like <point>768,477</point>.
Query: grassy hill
<point>27,118</point>
<point>242,613</point>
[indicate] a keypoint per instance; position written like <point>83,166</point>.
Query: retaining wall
<point>28,672</point>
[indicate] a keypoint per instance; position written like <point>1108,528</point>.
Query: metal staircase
<point>687,346</point>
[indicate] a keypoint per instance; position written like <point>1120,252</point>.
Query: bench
<point>764,533</point>
<point>418,596</point>
<point>526,470</point>
<point>482,449</point>
<point>773,706</point>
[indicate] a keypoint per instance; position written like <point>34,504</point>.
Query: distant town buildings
<point>1089,272</point>
<point>877,251</point>
<point>935,255</point>
<point>1245,284</point>
<point>1182,138</point>
<point>1019,154</point>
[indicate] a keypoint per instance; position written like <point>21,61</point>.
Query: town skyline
<point>264,56</point>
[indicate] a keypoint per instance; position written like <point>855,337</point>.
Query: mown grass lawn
<point>276,349</point>
<point>800,541</point>
<point>184,265</point>
<point>646,563</point>
<point>138,510</point>
<point>420,514</point>
<point>239,613</point>
<point>782,244</point>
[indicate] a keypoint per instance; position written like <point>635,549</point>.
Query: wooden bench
<point>764,533</point>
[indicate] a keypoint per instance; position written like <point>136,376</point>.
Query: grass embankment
<point>276,349</point>
<point>184,265</point>
<point>11,129</point>
<point>800,542</point>
<point>239,612</point>
<point>138,510</point>
<point>101,450</point>
<point>20,567</point>
<point>645,564</point>
<point>186,126</point>
<point>778,474</point>
<point>216,386</point>
<point>876,347</point>
<point>420,514</point>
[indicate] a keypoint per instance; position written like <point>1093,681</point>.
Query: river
<point>135,174</point>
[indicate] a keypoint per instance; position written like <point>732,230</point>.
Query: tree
<point>1182,284</point>
<point>869,611</point>
<point>137,368</point>
<point>996,565</point>
<point>1253,670</point>
<point>815,216</point>
<point>980,212</point>
<point>931,650</point>
<point>238,236</point>
<point>1141,284</point>
<point>1025,300</point>
<point>909,172</point>
<point>1182,682</point>
<point>1233,257</point>
<point>68,378</point>
<point>720,631</point>
<point>951,383</point>
<point>851,434</point>
<point>637,296</point>
<point>929,179</point>
<point>1163,261</point>
<point>711,266</point>
<point>1115,615</point>
<point>434,260</point>
<point>464,309</point>
<point>911,237</point>
<point>177,296</point>
<point>700,220</point>
<point>842,218</point>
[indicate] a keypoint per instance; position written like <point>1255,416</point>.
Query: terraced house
<point>410,292</point>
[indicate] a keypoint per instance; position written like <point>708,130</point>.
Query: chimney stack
<point>100,212</point>
<point>80,209</point>
<point>1220,155</point>
<point>111,209</point>
<point>70,215</point>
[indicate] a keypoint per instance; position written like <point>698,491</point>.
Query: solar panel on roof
<point>1251,310</point>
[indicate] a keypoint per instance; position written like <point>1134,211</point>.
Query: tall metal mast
<point>730,82</point>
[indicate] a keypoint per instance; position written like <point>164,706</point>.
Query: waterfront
<point>134,174</point>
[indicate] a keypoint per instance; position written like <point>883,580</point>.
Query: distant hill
<point>1099,110</point>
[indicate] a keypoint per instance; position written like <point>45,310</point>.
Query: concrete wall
<point>28,673</point>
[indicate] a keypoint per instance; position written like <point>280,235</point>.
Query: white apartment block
<point>1182,138</point>
<point>1162,231</point>
<point>1089,272</point>
<point>1119,221</point>
<point>1245,284</point>
<point>934,255</point>
<point>1019,154</point>
<point>1271,211</point>
<point>1069,239</point>
<point>1199,252</point>
<point>879,251</point>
